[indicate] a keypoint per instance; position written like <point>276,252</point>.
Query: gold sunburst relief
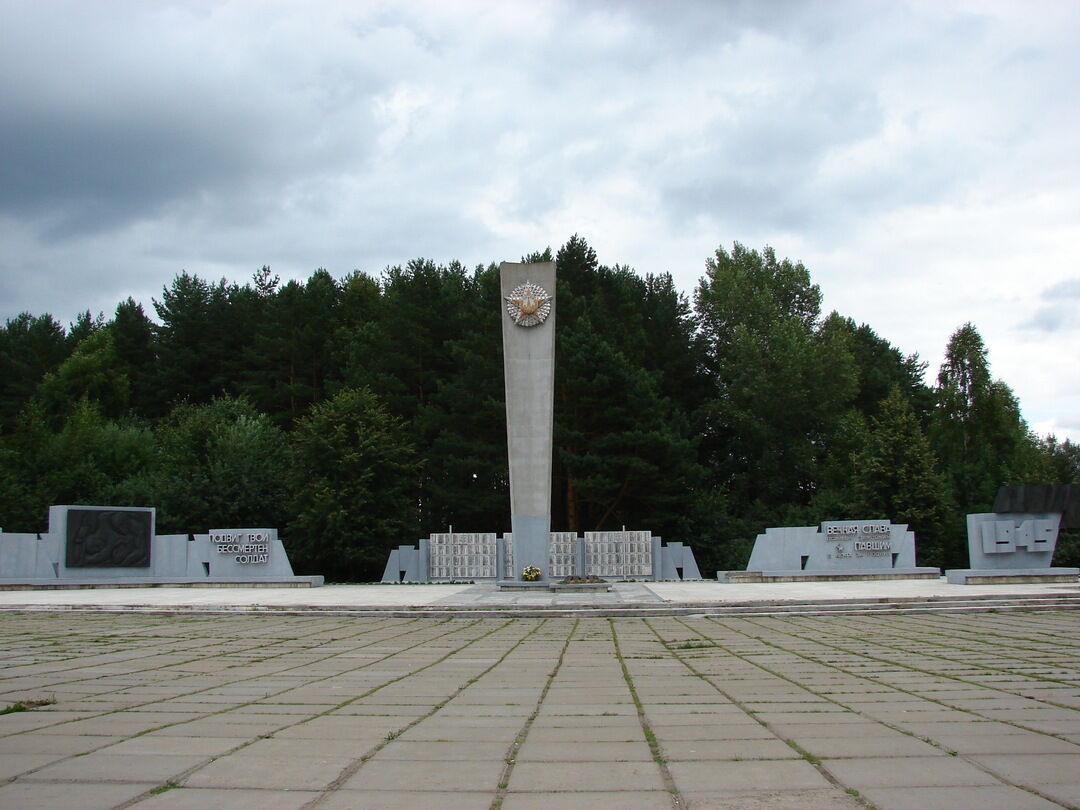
<point>528,304</point>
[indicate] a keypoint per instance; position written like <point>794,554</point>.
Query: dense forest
<point>359,413</point>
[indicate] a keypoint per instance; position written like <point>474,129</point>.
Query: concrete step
<point>834,607</point>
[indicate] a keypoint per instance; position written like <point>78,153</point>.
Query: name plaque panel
<point>462,555</point>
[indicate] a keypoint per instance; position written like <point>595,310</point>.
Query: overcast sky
<point>920,158</point>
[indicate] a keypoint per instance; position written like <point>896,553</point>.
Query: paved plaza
<point>657,595</point>
<point>971,710</point>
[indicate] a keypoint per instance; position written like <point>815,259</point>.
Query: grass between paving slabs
<point>519,740</point>
<point>180,664</point>
<point>650,735</point>
<point>706,641</point>
<point>355,766</point>
<point>923,641</point>
<point>821,662</point>
<point>415,626</point>
<point>922,695</point>
<point>26,705</point>
<point>352,769</point>
<point>886,656</point>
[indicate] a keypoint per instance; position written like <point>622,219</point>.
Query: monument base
<point>553,587</point>
<point>133,582</point>
<point>745,577</point>
<point>1010,576</point>
<point>520,585</point>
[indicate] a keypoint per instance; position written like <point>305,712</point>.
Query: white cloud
<point>919,158</point>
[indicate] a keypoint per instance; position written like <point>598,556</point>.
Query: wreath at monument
<point>530,573</point>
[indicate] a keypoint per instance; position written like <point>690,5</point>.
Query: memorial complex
<point>528,338</point>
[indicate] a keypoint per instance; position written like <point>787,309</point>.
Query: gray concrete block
<point>837,547</point>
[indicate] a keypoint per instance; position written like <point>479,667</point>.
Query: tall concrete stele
<point>528,328</point>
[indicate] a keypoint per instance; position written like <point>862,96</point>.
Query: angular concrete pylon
<point>528,319</point>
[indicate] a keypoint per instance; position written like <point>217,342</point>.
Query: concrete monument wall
<point>836,549</point>
<point>1017,547</point>
<point>118,545</point>
<point>624,554</point>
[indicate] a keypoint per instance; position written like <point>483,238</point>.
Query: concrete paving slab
<point>897,745</point>
<point>705,731</point>
<point>241,770</point>
<point>11,765</point>
<point>66,795</point>
<point>103,767</point>
<point>830,799</point>
<point>717,750</point>
<point>937,771</point>
<point>1067,794</point>
<point>34,743</point>
<point>440,776</point>
<point>1022,743</point>
<point>1033,769</point>
<point>346,799</point>
<point>593,800</point>
<point>235,799</point>
<point>745,777</point>
<point>566,751</point>
<point>969,797</point>
<point>421,752</point>
<point>585,776</point>
<point>585,734</point>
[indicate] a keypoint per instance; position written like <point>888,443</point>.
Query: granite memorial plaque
<point>108,538</point>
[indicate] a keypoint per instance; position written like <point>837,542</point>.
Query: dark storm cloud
<point>931,143</point>
<point>1061,310</point>
<point>84,175</point>
<point>106,121</point>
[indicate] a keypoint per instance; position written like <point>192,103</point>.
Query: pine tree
<point>896,477</point>
<point>782,379</point>
<point>354,477</point>
<point>30,348</point>
<point>977,430</point>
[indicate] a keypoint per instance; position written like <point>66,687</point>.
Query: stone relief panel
<point>103,538</point>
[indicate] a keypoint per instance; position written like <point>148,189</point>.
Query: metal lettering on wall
<point>247,548</point>
<point>870,539</point>
<point>105,538</point>
<point>462,556</point>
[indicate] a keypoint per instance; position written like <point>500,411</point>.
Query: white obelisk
<point>528,315</point>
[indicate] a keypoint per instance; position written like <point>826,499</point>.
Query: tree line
<point>359,413</point>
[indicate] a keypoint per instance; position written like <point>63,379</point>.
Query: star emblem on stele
<point>528,304</point>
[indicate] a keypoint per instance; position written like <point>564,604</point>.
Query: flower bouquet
<point>530,573</point>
